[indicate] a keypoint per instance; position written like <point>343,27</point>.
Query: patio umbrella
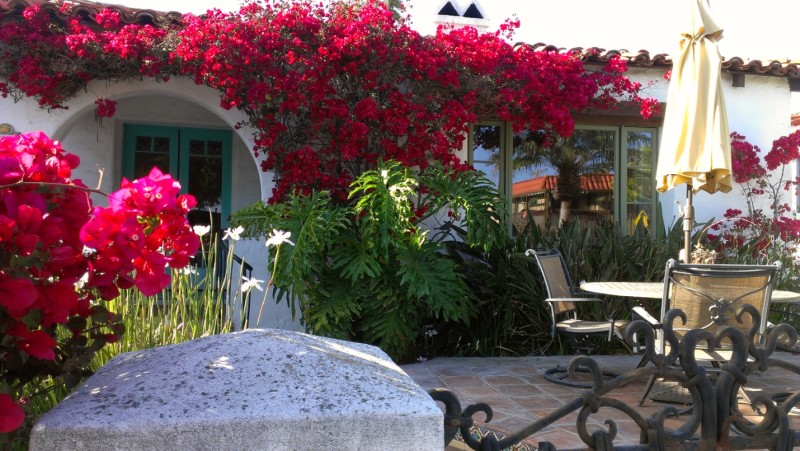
<point>695,144</point>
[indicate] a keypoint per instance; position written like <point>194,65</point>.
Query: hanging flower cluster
<point>52,61</point>
<point>59,258</point>
<point>143,230</point>
<point>328,90</point>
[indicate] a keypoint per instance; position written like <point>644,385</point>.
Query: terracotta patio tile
<point>462,381</point>
<point>489,371</point>
<point>503,380</point>
<point>521,391</point>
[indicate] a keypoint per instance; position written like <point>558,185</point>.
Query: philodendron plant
<point>368,270</point>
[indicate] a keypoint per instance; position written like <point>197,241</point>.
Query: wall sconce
<point>6,129</point>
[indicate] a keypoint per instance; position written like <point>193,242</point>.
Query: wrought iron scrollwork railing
<point>713,421</point>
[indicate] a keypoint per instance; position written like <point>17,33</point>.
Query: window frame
<point>179,155</point>
<point>620,129</point>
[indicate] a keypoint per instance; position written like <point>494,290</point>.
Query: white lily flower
<point>188,270</point>
<point>233,233</point>
<point>277,237</point>
<point>250,283</point>
<point>201,230</point>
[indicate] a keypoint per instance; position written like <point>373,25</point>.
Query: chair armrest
<point>645,315</point>
<point>606,311</point>
<point>574,300</point>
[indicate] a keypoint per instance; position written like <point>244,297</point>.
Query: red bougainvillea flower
<point>17,295</point>
<point>11,414</point>
<point>37,343</point>
<point>105,107</point>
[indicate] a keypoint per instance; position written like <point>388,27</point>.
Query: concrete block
<point>252,390</point>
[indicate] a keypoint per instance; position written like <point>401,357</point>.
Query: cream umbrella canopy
<point>695,145</point>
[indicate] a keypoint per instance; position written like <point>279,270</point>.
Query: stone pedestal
<point>257,389</point>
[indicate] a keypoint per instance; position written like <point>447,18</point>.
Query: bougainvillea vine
<point>328,90</point>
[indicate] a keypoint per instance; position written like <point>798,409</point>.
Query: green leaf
<point>384,204</point>
<point>434,279</point>
<point>355,260</point>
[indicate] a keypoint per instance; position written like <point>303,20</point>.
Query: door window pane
<point>147,161</point>
<point>161,145</point>
<point>640,179</point>
<point>574,178</point>
<point>205,180</point>
<point>197,147</point>
<point>150,152</point>
<point>144,144</point>
<point>486,151</point>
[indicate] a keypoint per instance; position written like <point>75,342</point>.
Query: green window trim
<point>181,145</point>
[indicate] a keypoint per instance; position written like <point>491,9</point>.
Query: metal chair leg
<point>647,388</point>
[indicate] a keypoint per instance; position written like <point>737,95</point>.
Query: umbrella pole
<point>688,225</point>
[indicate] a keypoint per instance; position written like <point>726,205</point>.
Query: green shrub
<point>512,317</point>
<point>368,271</point>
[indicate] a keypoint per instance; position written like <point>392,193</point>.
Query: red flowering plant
<point>55,59</point>
<point>60,258</point>
<point>767,231</point>
<point>329,90</point>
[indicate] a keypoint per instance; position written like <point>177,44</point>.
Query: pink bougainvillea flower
<point>98,231</point>
<point>11,414</point>
<point>148,195</point>
<point>10,169</point>
<point>151,277</point>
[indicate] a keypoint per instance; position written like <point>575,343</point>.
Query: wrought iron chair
<point>562,300</point>
<point>711,296</point>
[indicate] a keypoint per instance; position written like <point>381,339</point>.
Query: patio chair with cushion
<point>562,301</point>
<point>710,295</point>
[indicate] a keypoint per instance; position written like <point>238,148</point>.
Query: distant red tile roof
<point>589,182</point>
<point>796,120</point>
<point>643,58</point>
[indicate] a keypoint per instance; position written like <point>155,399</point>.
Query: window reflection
<point>571,179</point>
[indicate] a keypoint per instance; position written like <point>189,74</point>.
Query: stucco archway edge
<point>58,122</point>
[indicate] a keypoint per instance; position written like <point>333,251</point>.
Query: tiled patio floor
<point>516,390</point>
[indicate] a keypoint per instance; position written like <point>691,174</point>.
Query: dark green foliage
<point>512,316</point>
<point>368,271</point>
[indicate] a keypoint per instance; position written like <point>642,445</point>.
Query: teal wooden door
<point>200,159</point>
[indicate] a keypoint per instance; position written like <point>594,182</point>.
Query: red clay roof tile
<point>590,55</point>
<point>589,182</point>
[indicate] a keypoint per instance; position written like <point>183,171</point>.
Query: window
<point>200,159</point>
<point>600,172</point>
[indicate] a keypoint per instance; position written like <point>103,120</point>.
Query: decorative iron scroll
<point>713,421</point>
